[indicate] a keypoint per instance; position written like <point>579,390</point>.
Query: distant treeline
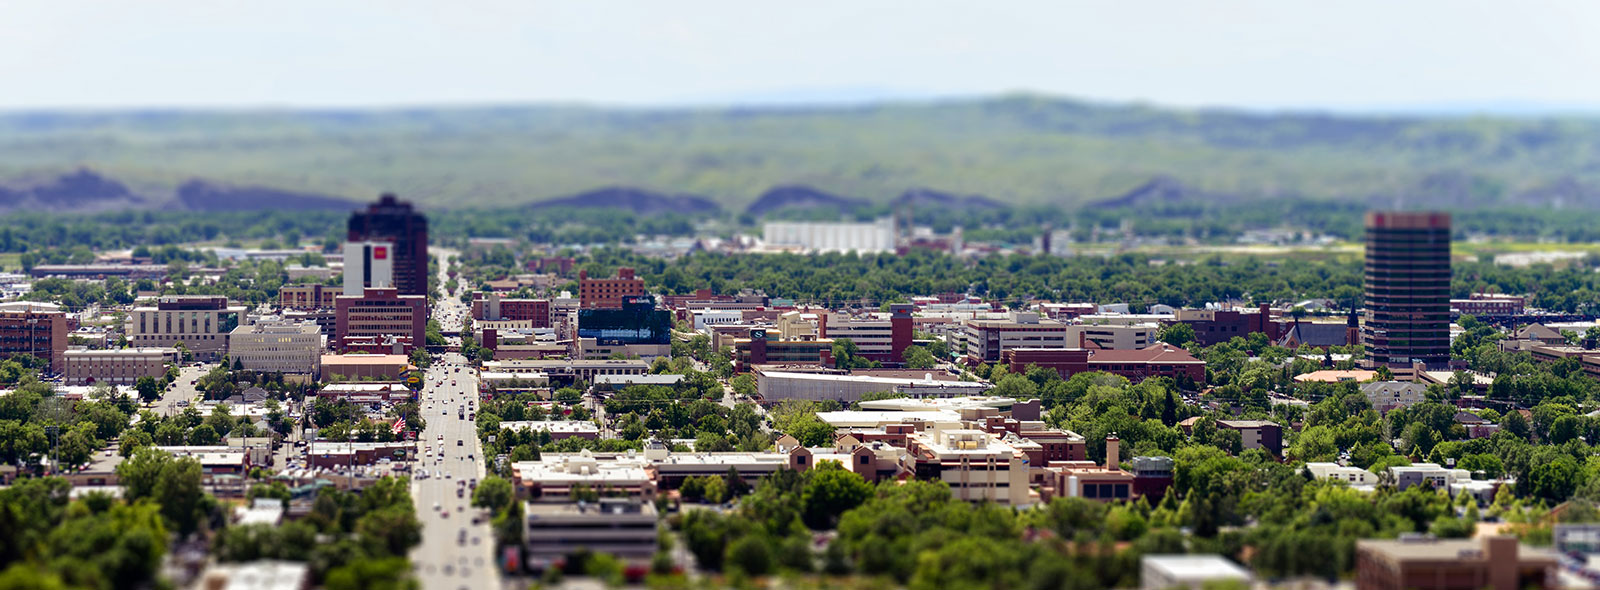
<point>1206,223</point>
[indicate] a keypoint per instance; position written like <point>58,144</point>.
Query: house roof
<point>1321,334</point>
<point>1538,332</point>
<point>1159,352</point>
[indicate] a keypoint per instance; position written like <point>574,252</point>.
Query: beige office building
<point>201,322</point>
<point>277,346</point>
<point>116,366</point>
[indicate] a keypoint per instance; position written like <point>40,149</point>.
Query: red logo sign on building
<point>380,252</point>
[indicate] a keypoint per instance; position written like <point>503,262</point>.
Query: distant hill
<point>1014,150</point>
<point>633,199</point>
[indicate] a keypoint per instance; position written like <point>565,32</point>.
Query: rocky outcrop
<point>927,197</point>
<point>799,196</point>
<point>200,195</point>
<point>1159,189</point>
<point>80,190</point>
<point>633,199</point>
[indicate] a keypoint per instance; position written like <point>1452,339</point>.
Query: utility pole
<point>55,438</point>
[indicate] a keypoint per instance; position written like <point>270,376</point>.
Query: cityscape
<point>298,335</point>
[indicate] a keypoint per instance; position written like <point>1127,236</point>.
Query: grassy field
<point>1018,149</point>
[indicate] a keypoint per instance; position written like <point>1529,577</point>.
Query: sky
<point>1360,55</point>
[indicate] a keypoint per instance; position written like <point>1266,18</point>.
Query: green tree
<point>751,555</point>
<point>149,389</point>
<point>1178,334</point>
<point>829,492</point>
<point>917,357</point>
<point>172,483</point>
<point>494,493</point>
<point>1516,424</point>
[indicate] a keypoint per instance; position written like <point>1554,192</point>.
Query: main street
<point>455,552</point>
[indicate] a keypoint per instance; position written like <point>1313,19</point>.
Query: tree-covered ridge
<point>1018,149</point>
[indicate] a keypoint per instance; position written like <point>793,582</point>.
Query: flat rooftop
<point>1441,549</point>
<point>365,359</point>
<point>1196,567</point>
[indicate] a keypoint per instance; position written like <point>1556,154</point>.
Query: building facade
<point>312,296</point>
<point>1159,360</point>
<point>764,346</point>
<point>368,264</point>
<point>277,346</point>
<point>200,322</point>
<point>39,329</point>
<point>381,312</point>
<point>977,466</point>
<point>608,293</point>
<point>1493,563</point>
<point>393,221</point>
<point>119,366</point>
<point>865,238</point>
<point>880,339</point>
<point>493,307</point>
<point>987,339</point>
<point>1407,287</point>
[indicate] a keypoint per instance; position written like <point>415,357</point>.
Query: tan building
<point>1494,563</point>
<point>976,465</point>
<point>311,296</point>
<point>277,346</point>
<point>350,367</point>
<point>987,339</point>
<point>200,322</point>
<point>122,366</point>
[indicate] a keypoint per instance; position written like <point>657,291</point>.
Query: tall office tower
<point>1407,288</point>
<point>393,221</point>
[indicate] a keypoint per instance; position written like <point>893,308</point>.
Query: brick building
<point>608,293</point>
<point>39,329</point>
<point>1157,360</point>
<point>381,312</point>
<point>1495,563</point>
<point>1214,326</point>
<point>877,339</point>
<point>493,307</point>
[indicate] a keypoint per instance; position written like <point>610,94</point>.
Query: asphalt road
<point>454,552</point>
<point>182,390</point>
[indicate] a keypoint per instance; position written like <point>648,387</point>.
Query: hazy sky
<point>1268,54</point>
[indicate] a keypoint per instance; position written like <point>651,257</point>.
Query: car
<point>461,492</point>
<point>435,506</point>
<point>459,442</point>
<point>461,539</point>
<point>444,514</point>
